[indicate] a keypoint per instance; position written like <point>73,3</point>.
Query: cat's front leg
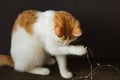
<point>55,49</point>
<point>65,50</point>
<point>62,63</point>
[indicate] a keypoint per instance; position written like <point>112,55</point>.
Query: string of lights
<point>94,71</point>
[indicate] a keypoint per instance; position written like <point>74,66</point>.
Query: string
<point>95,70</point>
<point>92,56</point>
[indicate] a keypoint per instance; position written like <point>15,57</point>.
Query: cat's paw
<point>67,75</point>
<point>45,71</point>
<point>79,50</point>
<point>51,61</point>
<point>40,71</point>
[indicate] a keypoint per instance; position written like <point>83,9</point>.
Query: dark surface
<point>79,67</point>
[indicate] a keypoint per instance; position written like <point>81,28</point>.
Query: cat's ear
<point>59,31</point>
<point>77,30</point>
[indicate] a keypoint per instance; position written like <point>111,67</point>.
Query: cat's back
<point>28,25</point>
<point>25,20</point>
<point>23,38</point>
<point>29,19</point>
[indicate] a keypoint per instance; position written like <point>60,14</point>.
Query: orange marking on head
<point>66,25</point>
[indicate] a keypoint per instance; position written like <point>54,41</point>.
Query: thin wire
<point>93,56</point>
<point>91,66</point>
<point>94,71</point>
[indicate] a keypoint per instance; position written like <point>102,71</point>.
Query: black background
<point>100,20</point>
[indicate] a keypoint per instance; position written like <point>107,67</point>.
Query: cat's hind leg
<point>34,67</point>
<point>39,70</point>
<point>33,70</point>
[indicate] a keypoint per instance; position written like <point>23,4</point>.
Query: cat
<point>38,36</point>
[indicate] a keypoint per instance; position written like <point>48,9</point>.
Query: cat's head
<point>67,28</point>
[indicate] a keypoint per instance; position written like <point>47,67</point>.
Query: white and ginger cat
<point>37,36</point>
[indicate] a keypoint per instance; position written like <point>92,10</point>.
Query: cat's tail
<point>6,60</point>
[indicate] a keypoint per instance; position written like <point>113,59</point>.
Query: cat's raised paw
<point>80,50</point>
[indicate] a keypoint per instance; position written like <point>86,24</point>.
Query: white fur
<point>29,51</point>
